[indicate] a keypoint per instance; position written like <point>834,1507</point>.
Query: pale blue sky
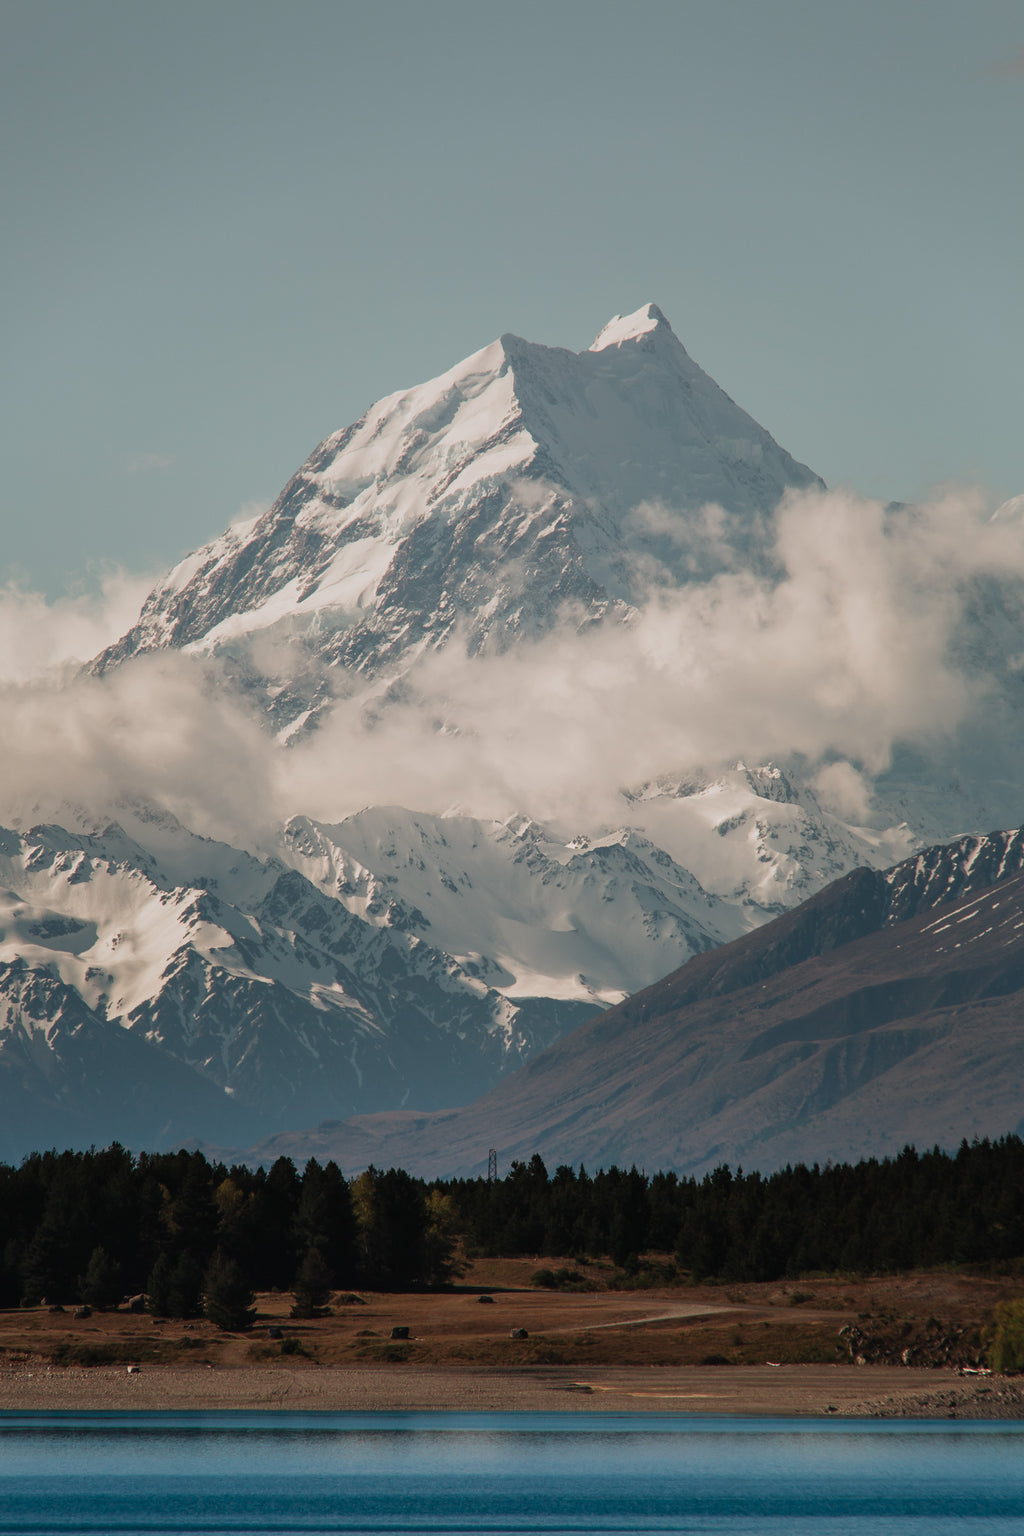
<point>232,224</point>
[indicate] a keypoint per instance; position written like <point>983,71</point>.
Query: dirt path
<point>650,1317</point>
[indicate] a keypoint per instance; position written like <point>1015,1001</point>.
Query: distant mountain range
<point>157,986</point>
<point>885,1010</point>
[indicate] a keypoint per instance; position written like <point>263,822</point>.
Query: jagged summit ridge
<point>489,499</point>
<point>645,321</point>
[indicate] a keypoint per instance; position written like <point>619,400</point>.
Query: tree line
<point>913,1211</point>
<point>99,1225</point>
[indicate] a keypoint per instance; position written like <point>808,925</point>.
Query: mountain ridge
<point>843,1029</point>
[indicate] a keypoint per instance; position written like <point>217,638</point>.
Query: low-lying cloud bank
<point>39,636</point>
<point>855,641</point>
<point>850,647</point>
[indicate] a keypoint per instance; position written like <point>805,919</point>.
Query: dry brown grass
<point>792,1322</point>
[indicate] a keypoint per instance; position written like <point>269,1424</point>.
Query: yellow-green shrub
<point>1006,1342</point>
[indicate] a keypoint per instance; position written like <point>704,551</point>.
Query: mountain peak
<point>642,322</point>
<point>482,503</point>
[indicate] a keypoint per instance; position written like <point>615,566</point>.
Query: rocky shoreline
<point>993,1398</point>
<point>866,1392</point>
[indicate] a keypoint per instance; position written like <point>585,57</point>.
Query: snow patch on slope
<point>530,912</point>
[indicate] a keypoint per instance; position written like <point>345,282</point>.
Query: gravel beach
<point>815,1390</point>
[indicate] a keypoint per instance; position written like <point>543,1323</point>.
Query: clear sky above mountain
<point>231,226</point>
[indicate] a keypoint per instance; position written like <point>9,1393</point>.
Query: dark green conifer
<point>393,1219</point>
<point>49,1266</point>
<point>227,1295</point>
<point>325,1220</point>
<point>158,1287</point>
<point>186,1288</point>
<point>191,1213</point>
<point>100,1287</point>
<point>175,1287</point>
<point>312,1286</point>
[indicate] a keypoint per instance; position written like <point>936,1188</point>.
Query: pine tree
<point>44,1269</point>
<point>10,1272</point>
<point>191,1213</point>
<point>277,1199</point>
<point>100,1287</point>
<point>312,1286</point>
<point>325,1220</point>
<point>158,1287</point>
<point>186,1288</point>
<point>441,1240</point>
<point>175,1287</point>
<point>228,1296</point>
<point>393,1218</point>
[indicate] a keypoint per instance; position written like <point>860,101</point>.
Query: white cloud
<point>159,729</point>
<point>37,634</point>
<point>844,790</point>
<point>841,654</point>
<point>850,645</point>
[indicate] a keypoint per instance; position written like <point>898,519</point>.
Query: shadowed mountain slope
<point>884,1010</point>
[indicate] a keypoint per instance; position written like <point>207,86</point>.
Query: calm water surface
<point>309,1473</point>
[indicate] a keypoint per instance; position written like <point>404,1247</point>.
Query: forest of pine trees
<point>193,1235</point>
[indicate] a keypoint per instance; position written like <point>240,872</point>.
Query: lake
<point>442,1473</point>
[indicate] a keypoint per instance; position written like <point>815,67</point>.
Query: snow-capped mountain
<point>250,996</point>
<point>593,918</point>
<point>884,1010</point>
<point>399,957</point>
<point>584,922</point>
<point>525,482</point>
<point>156,986</point>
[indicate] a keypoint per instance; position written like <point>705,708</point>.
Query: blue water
<point>310,1473</point>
